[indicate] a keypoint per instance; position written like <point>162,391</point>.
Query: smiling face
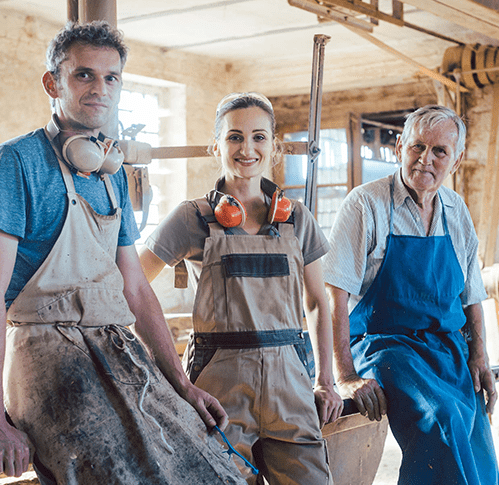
<point>428,156</point>
<point>87,89</point>
<point>246,143</point>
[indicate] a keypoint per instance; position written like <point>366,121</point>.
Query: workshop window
<point>140,111</point>
<point>332,174</point>
<point>377,152</point>
<point>377,159</point>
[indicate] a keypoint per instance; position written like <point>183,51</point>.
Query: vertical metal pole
<point>314,121</point>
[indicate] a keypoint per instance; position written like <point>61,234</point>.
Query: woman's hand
<point>329,404</point>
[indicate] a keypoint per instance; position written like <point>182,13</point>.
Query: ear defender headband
<point>230,212</point>
<point>90,154</point>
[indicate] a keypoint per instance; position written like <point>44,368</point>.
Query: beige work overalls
<point>247,350</point>
<point>79,383</point>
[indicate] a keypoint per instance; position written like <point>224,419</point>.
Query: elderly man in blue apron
<point>404,281</point>
<point>78,384</point>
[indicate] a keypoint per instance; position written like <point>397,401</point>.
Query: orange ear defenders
<point>280,207</point>
<point>230,212</point>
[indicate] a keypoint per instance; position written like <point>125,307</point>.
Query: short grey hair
<point>429,116</point>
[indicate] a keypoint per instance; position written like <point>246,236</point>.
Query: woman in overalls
<point>254,264</point>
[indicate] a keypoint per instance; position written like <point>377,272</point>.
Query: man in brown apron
<point>77,382</point>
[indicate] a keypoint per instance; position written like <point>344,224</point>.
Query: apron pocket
<point>119,354</point>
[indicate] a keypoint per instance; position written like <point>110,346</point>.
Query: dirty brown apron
<point>80,384</point>
<point>247,349</point>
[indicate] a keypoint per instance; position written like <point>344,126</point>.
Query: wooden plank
<point>365,9</point>
<point>327,12</point>
<point>289,148</point>
<point>375,4</point>
<point>180,152</point>
<point>398,10</point>
<point>466,13</point>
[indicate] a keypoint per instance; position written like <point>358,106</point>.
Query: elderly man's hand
<point>483,379</point>
<point>367,394</point>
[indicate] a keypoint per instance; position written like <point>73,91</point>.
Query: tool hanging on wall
<point>314,121</point>
<point>137,157</point>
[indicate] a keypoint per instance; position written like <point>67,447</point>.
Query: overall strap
<point>206,211</point>
<point>287,228</point>
<point>110,191</point>
<point>392,184</point>
<point>181,278</point>
<point>68,179</point>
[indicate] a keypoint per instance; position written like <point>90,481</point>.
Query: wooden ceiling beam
<point>369,9</point>
<point>466,13</point>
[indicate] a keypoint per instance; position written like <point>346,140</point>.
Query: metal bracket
<point>313,151</point>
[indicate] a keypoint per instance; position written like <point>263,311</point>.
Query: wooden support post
<point>398,9</point>
<point>489,211</point>
<point>354,136</point>
<point>90,10</point>
<point>374,5</point>
<point>72,10</point>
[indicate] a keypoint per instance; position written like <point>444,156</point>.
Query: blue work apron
<point>405,334</point>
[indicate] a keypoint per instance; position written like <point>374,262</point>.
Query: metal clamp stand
<point>314,122</point>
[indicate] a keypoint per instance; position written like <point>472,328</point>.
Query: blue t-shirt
<point>34,203</point>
